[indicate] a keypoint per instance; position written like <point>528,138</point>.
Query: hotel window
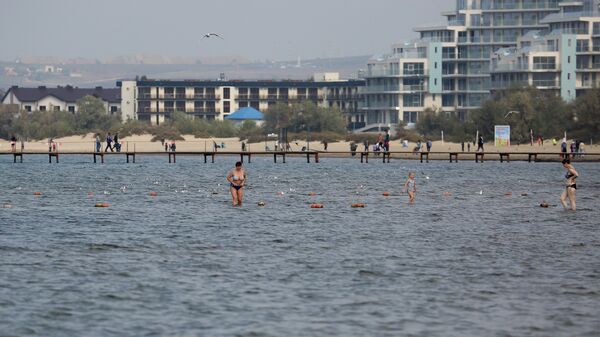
<point>113,109</point>
<point>71,108</point>
<point>28,108</point>
<point>413,69</point>
<point>447,100</point>
<point>226,93</point>
<point>226,104</point>
<point>543,62</point>
<point>448,52</point>
<point>56,108</point>
<point>410,116</point>
<point>413,100</point>
<point>42,108</point>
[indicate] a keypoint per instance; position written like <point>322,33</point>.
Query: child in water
<point>410,186</point>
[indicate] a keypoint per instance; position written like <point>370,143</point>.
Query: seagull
<point>510,113</point>
<point>209,35</point>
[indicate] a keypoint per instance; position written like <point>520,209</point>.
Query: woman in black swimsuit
<point>237,180</point>
<point>571,177</point>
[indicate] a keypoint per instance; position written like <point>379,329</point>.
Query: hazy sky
<point>255,29</point>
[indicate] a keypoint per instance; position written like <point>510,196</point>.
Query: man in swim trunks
<point>237,181</point>
<point>571,177</point>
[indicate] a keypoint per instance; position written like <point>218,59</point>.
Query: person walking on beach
<point>563,149</point>
<point>380,141</point>
<point>386,141</point>
<point>571,177</point>
<point>410,186</point>
<point>237,180</point>
<point>117,144</point>
<point>429,144</point>
<point>98,143</point>
<point>468,146</point>
<point>13,143</point>
<point>109,141</point>
<point>50,144</point>
<point>366,145</point>
<point>480,144</point>
<point>462,146</point>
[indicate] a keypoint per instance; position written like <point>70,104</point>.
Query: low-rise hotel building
<point>156,100</point>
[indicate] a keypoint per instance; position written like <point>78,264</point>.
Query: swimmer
<point>237,181</point>
<point>410,186</point>
<point>571,177</point>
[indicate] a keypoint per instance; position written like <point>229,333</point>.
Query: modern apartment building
<point>61,98</point>
<point>564,57</point>
<point>448,67</point>
<point>155,100</point>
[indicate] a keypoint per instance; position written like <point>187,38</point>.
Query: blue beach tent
<point>245,114</point>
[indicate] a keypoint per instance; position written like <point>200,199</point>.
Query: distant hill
<point>102,74</point>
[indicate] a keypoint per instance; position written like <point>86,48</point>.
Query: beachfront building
<point>61,98</point>
<point>156,100</point>
<point>448,67</point>
<point>563,58</point>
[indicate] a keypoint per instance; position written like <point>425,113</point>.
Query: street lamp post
<point>308,137</point>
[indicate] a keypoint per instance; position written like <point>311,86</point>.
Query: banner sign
<point>502,135</point>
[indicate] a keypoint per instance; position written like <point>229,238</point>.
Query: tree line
<point>91,117</point>
<point>525,110</point>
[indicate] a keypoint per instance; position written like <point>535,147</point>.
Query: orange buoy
<point>508,194</point>
<point>447,194</point>
<point>153,194</point>
<point>90,194</point>
<point>316,206</point>
<point>37,194</point>
<point>101,205</point>
<point>386,194</point>
<point>524,194</point>
<point>359,205</point>
<point>312,194</point>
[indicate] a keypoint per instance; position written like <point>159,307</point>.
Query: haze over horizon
<point>254,30</point>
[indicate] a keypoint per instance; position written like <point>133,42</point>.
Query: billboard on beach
<point>502,135</point>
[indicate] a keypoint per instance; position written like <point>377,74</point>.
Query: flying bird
<point>209,35</point>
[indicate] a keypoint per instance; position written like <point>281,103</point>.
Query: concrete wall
<point>128,100</point>
<point>568,62</point>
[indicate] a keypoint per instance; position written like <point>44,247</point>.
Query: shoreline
<point>144,143</point>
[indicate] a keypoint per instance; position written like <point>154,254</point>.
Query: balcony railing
<point>186,97</point>
<point>510,67</point>
<point>205,111</point>
<point>545,83</point>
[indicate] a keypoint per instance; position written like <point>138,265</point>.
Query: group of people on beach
<point>113,143</point>
<point>237,179</point>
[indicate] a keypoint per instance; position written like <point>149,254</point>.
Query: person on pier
<point>237,180</point>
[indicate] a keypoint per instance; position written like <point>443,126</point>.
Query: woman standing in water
<point>571,177</point>
<point>410,186</point>
<point>237,180</point>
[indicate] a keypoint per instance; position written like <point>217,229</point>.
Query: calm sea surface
<point>185,263</point>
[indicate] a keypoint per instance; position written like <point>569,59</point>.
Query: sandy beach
<point>144,143</point>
